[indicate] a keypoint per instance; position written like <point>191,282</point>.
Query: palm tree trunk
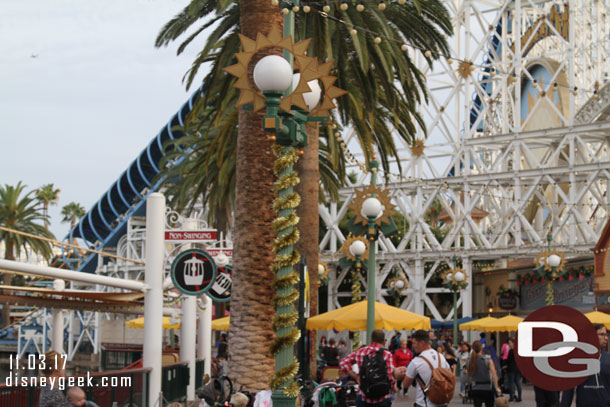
<point>250,335</point>
<point>308,169</point>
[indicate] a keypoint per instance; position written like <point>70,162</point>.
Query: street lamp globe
<point>459,276</point>
<point>400,284</point>
<point>553,260</point>
<point>357,248</point>
<point>449,277</point>
<point>372,208</point>
<point>273,73</point>
<point>221,259</point>
<point>321,269</point>
<point>311,98</point>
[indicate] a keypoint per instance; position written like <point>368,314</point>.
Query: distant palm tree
<point>21,213</point>
<point>72,212</point>
<point>48,195</point>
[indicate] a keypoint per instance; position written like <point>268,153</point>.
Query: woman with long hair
<point>483,377</point>
<point>52,396</point>
<point>450,356</point>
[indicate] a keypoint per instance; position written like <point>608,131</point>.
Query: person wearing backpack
<point>377,375</point>
<point>431,372</point>
<point>483,377</point>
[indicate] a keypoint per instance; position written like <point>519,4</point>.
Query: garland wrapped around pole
<point>286,316</point>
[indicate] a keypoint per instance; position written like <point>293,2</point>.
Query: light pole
<point>357,248</point>
<point>373,211</point>
<point>273,76</point>
<point>550,265</point>
<point>286,115</point>
<point>455,280</point>
<point>396,284</point>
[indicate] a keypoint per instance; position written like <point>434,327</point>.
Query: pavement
<point>528,399</point>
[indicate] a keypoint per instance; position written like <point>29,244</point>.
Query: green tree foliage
<point>71,213</point>
<point>20,211</point>
<point>384,86</point>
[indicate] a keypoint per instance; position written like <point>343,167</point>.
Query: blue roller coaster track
<point>106,221</point>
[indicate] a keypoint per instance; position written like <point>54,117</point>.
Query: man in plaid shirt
<point>378,340</point>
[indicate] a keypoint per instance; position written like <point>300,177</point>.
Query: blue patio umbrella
<point>448,324</point>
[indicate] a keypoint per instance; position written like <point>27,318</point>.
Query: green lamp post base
<point>280,399</point>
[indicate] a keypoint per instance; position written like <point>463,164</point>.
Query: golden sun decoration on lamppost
<point>308,67</point>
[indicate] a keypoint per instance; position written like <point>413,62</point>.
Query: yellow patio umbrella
<point>353,318</point>
<point>139,323</point>
<point>505,324</point>
<point>476,324</point>
<point>221,324</point>
<point>597,317</point>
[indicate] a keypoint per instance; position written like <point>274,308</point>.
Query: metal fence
<point>174,380</point>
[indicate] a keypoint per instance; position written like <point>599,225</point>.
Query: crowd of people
<point>484,375</point>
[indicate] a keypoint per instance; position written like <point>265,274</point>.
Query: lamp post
<point>273,75</point>
<point>550,265</point>
<point>455,280</point>
<point>357,248</point>
<point>396,284</point>
<point>371,210</point>
<point>285,117</point>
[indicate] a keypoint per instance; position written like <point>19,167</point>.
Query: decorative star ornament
<point>367,192</point>
<point>348,254</point>
<point>309,69</point>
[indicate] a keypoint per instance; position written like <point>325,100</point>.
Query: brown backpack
<point>442,384</point>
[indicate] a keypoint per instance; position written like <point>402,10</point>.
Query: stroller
<point>217,392</point>
<point>334,394</point>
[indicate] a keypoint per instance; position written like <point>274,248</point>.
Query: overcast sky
<point>82,91</point>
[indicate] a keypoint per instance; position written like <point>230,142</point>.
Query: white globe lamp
<point>221,259</point>
<point>357,248</point>
<point>459,276</point>
<point>372,207</point>
<point>311,98</point>
<point>400,284</point>
<point>273,73</point>
<point>449,277</point>
<point>553,260</point>
<point>321,269</point>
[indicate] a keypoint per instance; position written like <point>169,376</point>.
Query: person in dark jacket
<point>595,391</point>
<point>512,371</point>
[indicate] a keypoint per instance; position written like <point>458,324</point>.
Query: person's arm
<point>494,376</point>
<point>346,366</point>
<point>410,374</point>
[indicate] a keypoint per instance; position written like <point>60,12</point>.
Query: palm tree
<point>384,89</point>
<point>20,213</point>
<point>72,212</point>
<point>48,195</point>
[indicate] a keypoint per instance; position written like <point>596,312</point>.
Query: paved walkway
<point>528,399</point>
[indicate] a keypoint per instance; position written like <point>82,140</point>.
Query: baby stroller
<point>467,399</point>
<point>346,396</point>
<point>217,392</point>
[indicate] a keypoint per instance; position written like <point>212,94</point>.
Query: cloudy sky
<point>82,91</point>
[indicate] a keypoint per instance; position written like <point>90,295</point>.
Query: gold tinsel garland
<point>550,295</point>
<point>285,293</point>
